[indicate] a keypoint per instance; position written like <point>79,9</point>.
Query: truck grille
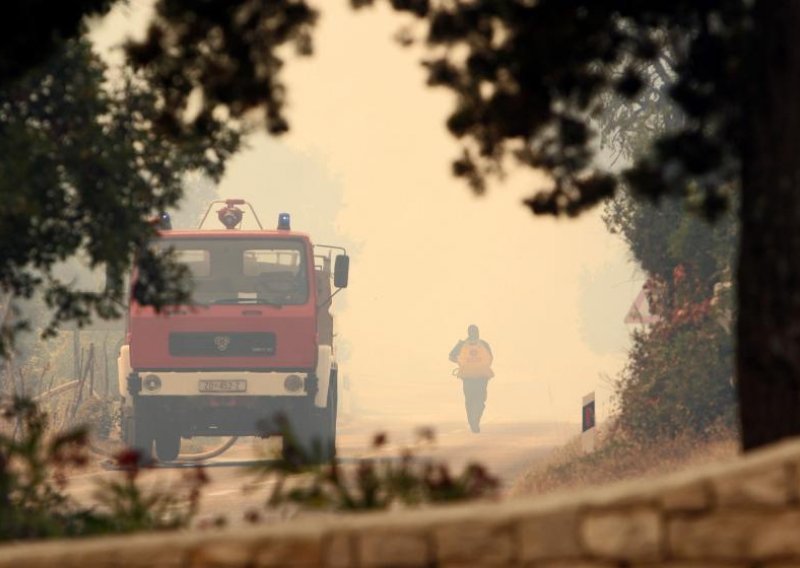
<point>221,344</point>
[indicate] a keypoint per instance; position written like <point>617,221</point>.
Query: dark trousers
<point>475,401</point>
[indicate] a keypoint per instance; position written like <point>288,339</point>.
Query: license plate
<point>223,385</point>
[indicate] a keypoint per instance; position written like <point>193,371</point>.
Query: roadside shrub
<point>129,508</point>
<point>378,482</point>
<point>678,379</point>
<point>33,475</point>
<point>679,376</point>
<point>34,469</point>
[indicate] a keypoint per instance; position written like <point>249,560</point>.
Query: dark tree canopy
<point>226,54</point>
<point>82,171</point>
<point>531,77</point>
<point>32,30</point>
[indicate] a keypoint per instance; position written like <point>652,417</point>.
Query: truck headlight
<point>293,383</point>
<point>151,383</point>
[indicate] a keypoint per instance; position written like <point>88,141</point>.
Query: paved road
<point>507,450</point>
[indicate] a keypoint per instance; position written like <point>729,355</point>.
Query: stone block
<point>216,554</point>
<point>736,535</point>
<point>145,552</point>
<point>574,564</point>
<point>148,550</point>
<point>690,564</point>
<point>793,470</point>
<point>134,550</point>
<point>766,485</point>
<point>67,557</point>
<point>691,498</point>
<point>293,550</point>
<point>338,551</point>
<point>473,543</point>
<point>387,548</point>
<point>549,535</point>
<point>623,534</point>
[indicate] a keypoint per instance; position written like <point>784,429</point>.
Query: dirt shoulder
<point>618,459</point>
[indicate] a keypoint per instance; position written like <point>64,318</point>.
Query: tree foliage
<point>679,375</point>
<point>678,379</point>
<point>31,31</point>
<point>225,57</point>
<point>529,77</point>
<point>82,171</point>
<point>628,126</point>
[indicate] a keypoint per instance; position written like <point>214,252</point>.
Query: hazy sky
<point>367,162</point>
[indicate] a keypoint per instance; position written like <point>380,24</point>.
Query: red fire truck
<point>252,354</point>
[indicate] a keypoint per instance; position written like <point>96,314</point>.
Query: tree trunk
<point>768,353</point>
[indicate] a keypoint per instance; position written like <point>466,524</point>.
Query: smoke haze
<point>367,165</point>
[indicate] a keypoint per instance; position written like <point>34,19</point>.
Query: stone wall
<point>742,514</point>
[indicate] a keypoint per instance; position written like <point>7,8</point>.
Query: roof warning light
<point>164,222</point>
<point>284,222</point>
<point>230,215</point>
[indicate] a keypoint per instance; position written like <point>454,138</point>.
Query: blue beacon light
<point>164,221</point>
<point>284,222</point>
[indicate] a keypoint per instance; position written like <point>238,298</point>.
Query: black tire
<point>332,411</point>
<point>312,437</point>
<point>326,426</point>
<point>137,431</point>
<point>168,446</point>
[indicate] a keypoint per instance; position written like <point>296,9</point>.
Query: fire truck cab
<point>252,354</point>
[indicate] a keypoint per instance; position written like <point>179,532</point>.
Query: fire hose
<point>201,456</point>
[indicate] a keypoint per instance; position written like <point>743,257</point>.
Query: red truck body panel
<point>240,336</point>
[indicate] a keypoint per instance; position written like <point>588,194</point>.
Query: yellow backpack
<point>474,361</point>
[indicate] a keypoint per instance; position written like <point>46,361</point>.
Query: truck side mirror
<point>341,271</point>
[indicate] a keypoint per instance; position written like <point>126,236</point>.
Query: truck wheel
<point>312,436</point>
<point>168,446</point>
<point>330,413</point>
<point>137,431</point>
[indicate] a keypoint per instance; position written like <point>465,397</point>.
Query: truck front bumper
<point>222,383</point>
<point>210,383</point>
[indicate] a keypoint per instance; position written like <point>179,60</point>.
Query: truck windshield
<point>243,271</point>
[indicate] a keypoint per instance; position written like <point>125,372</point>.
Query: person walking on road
<point>474,358</point>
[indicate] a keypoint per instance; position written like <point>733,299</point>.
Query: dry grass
<point>200,444</point>
<point>617,459</point>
